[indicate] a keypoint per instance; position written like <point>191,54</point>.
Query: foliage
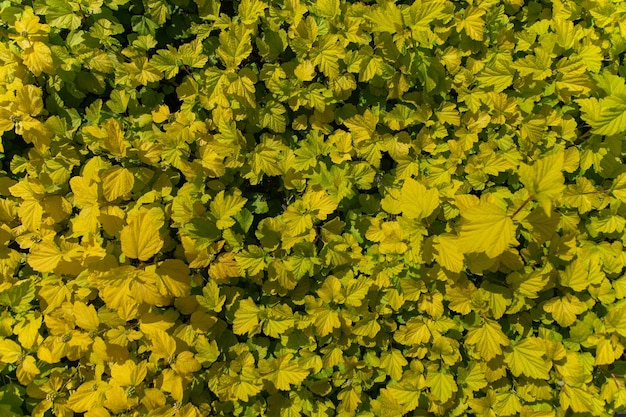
<point>299,207</point>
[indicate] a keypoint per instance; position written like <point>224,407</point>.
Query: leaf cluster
<point>298,207</point>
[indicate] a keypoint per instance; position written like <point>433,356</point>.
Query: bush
<point>317,208</point>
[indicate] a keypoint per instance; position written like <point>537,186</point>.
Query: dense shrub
<point>317,208</point>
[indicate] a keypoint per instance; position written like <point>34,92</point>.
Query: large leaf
<point>486,228</point>
<point>282,372</point>
<point>141,238</point>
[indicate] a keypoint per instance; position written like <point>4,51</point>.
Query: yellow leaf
<point>129,373</point>
<point>565,309</point>
<point>98,411</point>
<point>160,114</point>
<point>448,253</point>
<point>488,339</point>
<point>89,395</point>
<point>580,401</point>
<point>27,370</point>
<point>327,8</point>
<point>472,23</point>
<point>172,383</point>
<point>44,257</point>
<point>27,328</point>
<point>350,398</point>
<point>38,58</point>
<point>367,326</point>
<point>507,404</point>
<point>486,228</point>
<point>416,332</point>
<point>86,222</point>
<point>305,71</point>
<point>117,182</point>
<point>278,320</point>
<point>85,316</point>
<point>31,214</point>
<point>326,320</point>
<point>580,273</point>
<point>526,357</point>
<point>163,345</point>
<point>153,398</point>
<point>473,376</point>
<point>544,180</point>
<point>319,204</point>
<point>85,191</point>
<point>186,363</point>
<point>408,391</point>
<point>112,219</point>
<point>173,278</point>
<point>10,351</point>
<point>114,139</point>
<point>416,201</point>
<point>116,400</point>
<point>28,100</point>
<point>608,348</point>
<point>615,320</point>
<point>140,238</point>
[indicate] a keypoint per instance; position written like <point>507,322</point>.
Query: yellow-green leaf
<point>527,358</point>
<point>393,361</point>
<point>223,207</point>
<point>282,373</point>
<point>486,228</point>
<point>544,179</point>
<point>247,318</point>
<point>488,339</point>
<point>442,385</point>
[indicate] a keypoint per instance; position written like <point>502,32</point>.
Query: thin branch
<point>522,206</point>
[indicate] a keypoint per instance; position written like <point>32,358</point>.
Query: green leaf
<point>204,231</point>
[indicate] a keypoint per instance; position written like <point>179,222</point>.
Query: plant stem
<point>522,206</point>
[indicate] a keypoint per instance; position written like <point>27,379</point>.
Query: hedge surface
<point>317,208</point>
